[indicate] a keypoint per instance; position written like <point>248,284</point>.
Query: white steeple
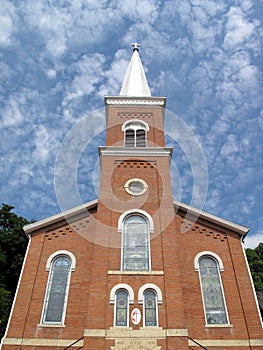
<point>135,82</point>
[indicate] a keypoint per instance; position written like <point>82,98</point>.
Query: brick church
<point>135,269</point>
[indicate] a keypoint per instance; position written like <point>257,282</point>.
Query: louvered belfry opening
<point>140,138</point>
<point>130,138</point>
<point>135,135</point>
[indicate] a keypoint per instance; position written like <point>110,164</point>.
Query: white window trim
<point>135,211</point>
<point>150,286</point>
<point>156,307</point>
<point>61,252</point>
<point>113,297</point>
<point>143,126</point>
<point>121,286</point>
<point>49,263</point>
<point>124,125</point>
<point>208,253</point>
<point>135,179</point>
<point>150,230</point>
<point>221,268</point>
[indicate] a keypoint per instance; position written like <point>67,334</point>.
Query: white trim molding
<point>49,267</point>
<point>61,252</point>
<point>153,287</point>
<point>135,101</point>
<point>198,213</point>
<point>135,211</point>
<point>64,215</point>
<point>138,121</point>
<point>121,286</point>
<point>135,151</point>
<point>208,253</point>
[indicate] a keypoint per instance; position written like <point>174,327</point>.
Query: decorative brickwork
<point>143,116</point>
<point>92,236</point>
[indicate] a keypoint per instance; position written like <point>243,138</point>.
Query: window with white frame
<point>150,296</point>
<point>121,296</point>
<point>54,308</point>
<point>135,243</point>
<point>212,290</point>
<point>135,133</point>
<point>150,308</point>
<point>121,308</point>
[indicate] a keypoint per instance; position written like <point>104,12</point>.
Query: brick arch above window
<point>153,287</point>
<point>134,212</point>
<point>210,254</point>
<point>119,286</point>
<point>58,253</point>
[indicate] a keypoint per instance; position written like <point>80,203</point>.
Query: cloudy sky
<point>59,58</point>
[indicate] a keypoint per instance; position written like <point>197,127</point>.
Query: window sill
<point>219,326</point>
<point>46,325</point>
<point>117,272</point>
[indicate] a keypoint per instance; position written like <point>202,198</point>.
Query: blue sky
<point>59,58</point>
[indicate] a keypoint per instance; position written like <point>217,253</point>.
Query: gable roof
<point>194,212</point>
<point>197,213</point>
<point>60,216</point>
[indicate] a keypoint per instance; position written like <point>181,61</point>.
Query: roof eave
<point>241,230</point>
<point>60,216</point>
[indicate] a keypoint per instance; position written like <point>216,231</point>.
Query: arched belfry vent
<point>135,82</point>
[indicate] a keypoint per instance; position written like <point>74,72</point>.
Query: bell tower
<point>135,161</point>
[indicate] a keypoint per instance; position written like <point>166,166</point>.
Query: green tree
<point>13,243</point>
<point>255,261</point>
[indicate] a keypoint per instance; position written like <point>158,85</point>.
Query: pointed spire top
<point>135,82</point>
<point>136,46</point>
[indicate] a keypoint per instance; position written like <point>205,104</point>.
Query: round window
<point>136,187</point>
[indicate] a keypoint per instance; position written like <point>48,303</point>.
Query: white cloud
<point>6,23</point>
<point>253,240</point>
<point>87,73</point>
<point>11,114</point>
<point>239,29</point>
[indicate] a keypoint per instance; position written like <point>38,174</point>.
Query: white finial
<point>136,46</point>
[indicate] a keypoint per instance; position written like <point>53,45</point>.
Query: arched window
<point>150,308</point>
<point>57,290</point>
<point>135,133</point>
<point>135,243</point>
<point>212,291</point>
<point>121,308</point>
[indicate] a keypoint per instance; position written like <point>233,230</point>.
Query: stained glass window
<point>54,307</point>
<point>150,312</point>
<point>135,244</point>
<point>121,311</point>
<point>214,304</point>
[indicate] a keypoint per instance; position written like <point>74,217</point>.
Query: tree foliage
<point>13,243</point>
<point>255,261</point>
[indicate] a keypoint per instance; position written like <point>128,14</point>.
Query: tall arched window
<point>135,243</point>
<point>57,290</point>
<point>135,133</point>
<point>121,308</point>
<point>150,308</point>
<point>212,291</point>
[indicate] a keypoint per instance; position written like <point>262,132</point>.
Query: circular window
<point>136,187</point>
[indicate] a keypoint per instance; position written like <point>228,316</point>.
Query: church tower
<point>134,269</point>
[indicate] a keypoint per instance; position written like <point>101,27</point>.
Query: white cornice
<point>135,151</point>
<point>60,216</point>
<point>242,230</point>
<point>135,101</point>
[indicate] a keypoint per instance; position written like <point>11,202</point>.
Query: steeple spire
<point>135,82</point>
